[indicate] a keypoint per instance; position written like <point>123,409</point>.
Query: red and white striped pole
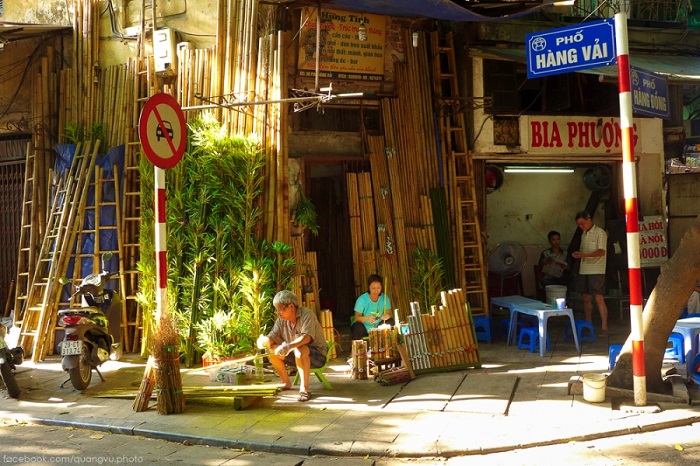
<point>161,246</point>
<point>629,179</point>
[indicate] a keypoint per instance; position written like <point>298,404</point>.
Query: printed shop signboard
<point>346,52</point>
<point>579,135</point>
<point>653,248</point>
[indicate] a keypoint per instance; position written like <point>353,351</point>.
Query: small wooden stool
<point>386,363</point>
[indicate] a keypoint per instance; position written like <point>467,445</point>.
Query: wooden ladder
<point>143,82</point>
<point>44,292</point>
<point>469,255</point>
<point>26,257</point>
<point>86,236</point>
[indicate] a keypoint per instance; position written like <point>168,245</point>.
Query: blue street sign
<point>584,46</point>
<point>649,93</point>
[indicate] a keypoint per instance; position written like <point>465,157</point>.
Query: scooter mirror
<point>63,280</point>
<point>105,258</point>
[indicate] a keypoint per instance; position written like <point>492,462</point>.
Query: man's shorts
<point>318,359</point>
<point>591,284</point>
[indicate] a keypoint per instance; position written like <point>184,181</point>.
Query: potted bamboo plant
<point>304,215</point>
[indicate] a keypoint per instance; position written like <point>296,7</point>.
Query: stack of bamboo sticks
<point>445,338</point>
<point>305,281</point>
<point>359,359</point>
<point>383,342</point>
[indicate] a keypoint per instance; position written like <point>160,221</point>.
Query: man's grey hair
<point>285,297</point>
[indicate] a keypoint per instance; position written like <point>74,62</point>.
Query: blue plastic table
<point>521,304</point>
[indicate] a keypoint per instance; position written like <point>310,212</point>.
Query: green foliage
<point>223,277</point>
<point>73,133</point>
<point>305,214</point>
<point>427,275</point>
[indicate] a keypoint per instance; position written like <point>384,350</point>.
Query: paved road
<point>37,445</point>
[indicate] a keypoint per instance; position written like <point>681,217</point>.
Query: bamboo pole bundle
<point>450,356</point>
<point>368,266</point>
<point>428,222</point>
<point>355,227</point>
<point>438,340</point>
<point>328,329</point>
<point>455,330</point>
<point>409,182</point>
<point>359,359</point>
<point>393,161</point>
<point>312,276</point>
<point>282,125</point>
<point>426,320</point>
<point>369,228</point>
<point>416,314</point>
<point>421,98</point>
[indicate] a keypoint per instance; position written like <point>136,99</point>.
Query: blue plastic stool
<point>581,325</point>
<point>676,350</point>
<point>482,327</point>
<point>613,354</point>
<point>533,339</point>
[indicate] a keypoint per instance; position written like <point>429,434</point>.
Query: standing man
<point>296,339</point>
<point>591,275</point>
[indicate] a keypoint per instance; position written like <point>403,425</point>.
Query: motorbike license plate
<point>70,348</point>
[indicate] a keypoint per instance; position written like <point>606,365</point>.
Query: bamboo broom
<point>166,355</point>
<point>143,396</point>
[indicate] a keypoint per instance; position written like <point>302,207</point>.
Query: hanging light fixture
<point>362,31</point>
<point>414,38</point>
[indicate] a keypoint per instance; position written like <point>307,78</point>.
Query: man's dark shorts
<point>591,284</point>
<point>318,359</point>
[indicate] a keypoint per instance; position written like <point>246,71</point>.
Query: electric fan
<point>507,260</point>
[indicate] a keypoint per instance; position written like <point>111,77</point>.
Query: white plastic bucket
<point>553,292</point>
<point>594,387</point>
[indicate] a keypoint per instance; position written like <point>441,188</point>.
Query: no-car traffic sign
<point>162,131</point>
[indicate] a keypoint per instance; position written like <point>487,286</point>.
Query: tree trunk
<point>664,307</point>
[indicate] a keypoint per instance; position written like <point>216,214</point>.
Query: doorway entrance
<point>327,189</point>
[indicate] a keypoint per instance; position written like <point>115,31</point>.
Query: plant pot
<point>214,360</point>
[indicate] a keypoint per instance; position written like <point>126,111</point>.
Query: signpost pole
<point>629,179</point>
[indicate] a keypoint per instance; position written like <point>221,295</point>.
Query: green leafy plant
<point>221,275</point>
<point>73,133</point>
<point>222,335</point>
<point>427,275</point>
<point>304,214</point>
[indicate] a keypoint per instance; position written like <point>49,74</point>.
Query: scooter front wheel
<point>81,374</point>
<point>9,378</point>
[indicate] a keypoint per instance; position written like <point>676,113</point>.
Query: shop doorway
<point>326,187</point>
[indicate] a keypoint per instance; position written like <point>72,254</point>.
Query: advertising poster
<point>351,45</point>
<point>653,249</point>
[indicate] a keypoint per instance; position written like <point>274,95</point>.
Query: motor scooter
<point>92,330</point>
<point>9,358</point>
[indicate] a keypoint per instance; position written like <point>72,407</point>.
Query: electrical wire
<point>30,61</point>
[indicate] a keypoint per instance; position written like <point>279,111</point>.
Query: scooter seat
<point>79,310</point>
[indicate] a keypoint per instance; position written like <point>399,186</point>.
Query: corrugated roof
<point>675,68</point>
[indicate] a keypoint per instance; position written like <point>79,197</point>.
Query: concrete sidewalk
<point>516,399</point>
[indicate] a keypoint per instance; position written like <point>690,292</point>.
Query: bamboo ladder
<point>52,262</point>
<point>470,265</point>
<point>141,71</point>
<point>101,184</point>
<point>26,259</point>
